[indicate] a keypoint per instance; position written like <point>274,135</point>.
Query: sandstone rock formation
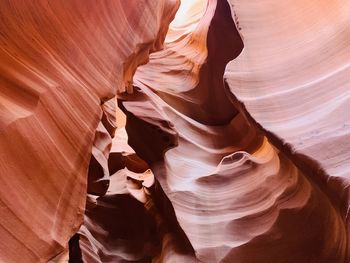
<point>295,84</point>
<point>60,61</point>
<point>235,141</point>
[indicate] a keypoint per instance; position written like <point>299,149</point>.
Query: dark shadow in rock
<point>74,250</point>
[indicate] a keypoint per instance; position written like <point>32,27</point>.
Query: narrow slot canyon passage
<point>174,131</point>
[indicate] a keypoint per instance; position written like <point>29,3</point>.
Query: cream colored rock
<point>293,76</point>
<point>236,196</point>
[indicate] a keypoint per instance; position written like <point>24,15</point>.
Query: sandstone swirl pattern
<point>235,147</point>
<point>295,84</point>
<point>237,197</point>
<point>59,61</point>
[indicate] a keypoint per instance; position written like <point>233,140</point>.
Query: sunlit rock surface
<point>237,197</point>
<point>235,145</point>
<point>293,79</point>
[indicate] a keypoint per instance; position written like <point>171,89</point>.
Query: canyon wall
<point>60,61</point>
<point>235,143</point>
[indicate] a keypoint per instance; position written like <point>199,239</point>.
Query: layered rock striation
<point>60,62</point>
<point>235,142</point>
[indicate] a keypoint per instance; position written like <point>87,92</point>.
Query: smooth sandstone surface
<point>59,62</point>
<point>293,79</point>
<point>295,83</point>
<point>235,146</point>
<point>237,197</point>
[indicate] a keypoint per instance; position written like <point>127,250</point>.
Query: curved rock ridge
<point>235,146</point>
<point>293,78</point>
<point>236,196</point>
<point>189,66</point>
<point>186,20</point>
<point>59,62</point>
<point>133,221</point>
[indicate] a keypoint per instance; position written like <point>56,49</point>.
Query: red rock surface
<point>60,61</point>
<point>235,141</point>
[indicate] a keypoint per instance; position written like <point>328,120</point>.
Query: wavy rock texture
<point>295,84</point>
<point>59,62</point>
<point>236,196</point>
<point>234,147</point>
<point>133,221</point>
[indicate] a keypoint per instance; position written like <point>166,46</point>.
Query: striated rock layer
<point>235,142</point>
<point>134,221</point>
<point>59,62</point>
<point>236,196</point>
<point>293,80</point>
